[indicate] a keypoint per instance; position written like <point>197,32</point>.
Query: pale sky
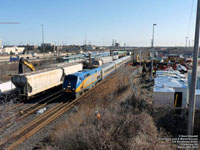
<point>69,21</point>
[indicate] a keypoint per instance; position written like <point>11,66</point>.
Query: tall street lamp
<point>42,37</point>
<point>186,41</point>
<point>192,88</point>
<point>152,46</point>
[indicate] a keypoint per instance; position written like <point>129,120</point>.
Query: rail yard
<point>41,98</point>
<point>29,87</point>
<point>99,75</point>
<point>38,99</point>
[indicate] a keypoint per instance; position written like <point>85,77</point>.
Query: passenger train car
<point>76,84</point>
<point>120,53</point>
<point>107,69</point>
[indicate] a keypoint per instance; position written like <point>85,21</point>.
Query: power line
<point>190,18</point>
<point>9,22</point>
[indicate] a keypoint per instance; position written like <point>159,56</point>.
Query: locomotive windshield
<point>70,82</point>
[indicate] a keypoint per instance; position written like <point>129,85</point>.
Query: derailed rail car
<point>74,85</point>
<point>30,84</point>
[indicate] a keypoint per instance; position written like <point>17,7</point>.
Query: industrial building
<point>170,89</point>
<point>163,96</point>
<point>12,50</point>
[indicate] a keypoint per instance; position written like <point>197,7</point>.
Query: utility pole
<point>125,46</point>
<point>152,46</point>
<point>186,41</point>
<point>85,40</point>
<point>140,58</point>
<point>189,44</point>
<point>192,88</point>
<point>42,37</point>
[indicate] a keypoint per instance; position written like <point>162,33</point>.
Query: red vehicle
<point>162,66</point>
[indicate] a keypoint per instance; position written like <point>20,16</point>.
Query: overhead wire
<point>190,19</point>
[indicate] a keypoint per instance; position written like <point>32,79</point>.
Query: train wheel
<point>80,93</point>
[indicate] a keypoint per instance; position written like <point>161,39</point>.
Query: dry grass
<point>197,123</point>
<point>118,128</point>
<point>6,104</point>
<point>124,122</point>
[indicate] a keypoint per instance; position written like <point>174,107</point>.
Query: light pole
<point>186,41</point>
<point>42,37</point>
<point>140,58</point>
<point>152,46</point>
<point>189,44</point>
<point>125,46</point>
<point>192,88</point>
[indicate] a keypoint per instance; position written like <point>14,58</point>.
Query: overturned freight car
<point>30,84</point>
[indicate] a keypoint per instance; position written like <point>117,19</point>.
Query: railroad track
<point>44,119</point>
<point>13,107</point>
<point>28,130</point>
<point>20,115</point>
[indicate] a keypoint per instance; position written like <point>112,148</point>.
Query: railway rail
<point>31,109</point>
<point>44,119</point>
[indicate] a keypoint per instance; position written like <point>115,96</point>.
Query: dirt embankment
<point>116,116</point>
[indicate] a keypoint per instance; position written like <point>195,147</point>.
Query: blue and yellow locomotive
<point>75,84</point>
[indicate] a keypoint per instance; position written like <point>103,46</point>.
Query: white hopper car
<point>102,60</point>
<point>30,84</point>
<point>6,87</point>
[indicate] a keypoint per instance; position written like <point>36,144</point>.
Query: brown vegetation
<point>197,123</point>
<point>116,129</point>
<point>124,121</point>
<point>7,102</point>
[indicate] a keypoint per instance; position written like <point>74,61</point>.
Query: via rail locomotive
<point>76,84</point>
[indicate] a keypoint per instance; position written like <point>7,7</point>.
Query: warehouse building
<point>163,96</point>
<point>170,89</point>
<point>12,50</point>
